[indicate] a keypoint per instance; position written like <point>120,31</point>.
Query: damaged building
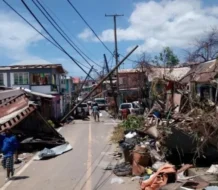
<point>23,117</point>
<point>49,79</point>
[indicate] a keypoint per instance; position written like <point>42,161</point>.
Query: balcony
<point>46,89</point>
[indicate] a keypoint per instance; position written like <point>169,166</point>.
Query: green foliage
<point>50,122</point>
<point>133,122</point>
<point>166,58</point>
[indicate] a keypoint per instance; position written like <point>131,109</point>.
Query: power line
<point>52,36</point>
<point>95,32</point>
<point>58,47</point>
<point>89,26</point>
<point>61,31</point>
<point>58,28</point>
<point>31,25</point>
<point>67,29</point>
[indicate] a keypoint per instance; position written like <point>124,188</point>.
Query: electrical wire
<point>31,25</point>
<point>38,30</point>
<point>58,28</point>
<point>15,11</point>
<point>67,29</point>
<point>30,11</point>
<point>89,26</point>
<point>95,32</point>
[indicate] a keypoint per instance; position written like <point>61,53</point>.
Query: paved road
<point>81,168</point>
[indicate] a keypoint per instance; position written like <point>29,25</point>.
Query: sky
<point>150,24</point>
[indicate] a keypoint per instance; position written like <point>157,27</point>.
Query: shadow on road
<point>19,178</point>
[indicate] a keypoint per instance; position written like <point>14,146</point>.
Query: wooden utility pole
<point>106,77</point>
<point>116,50</point>
<point>111,84</point>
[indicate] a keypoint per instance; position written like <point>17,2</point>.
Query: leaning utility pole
<point>81,88</point>
<point>116,49</point>
<point>106,77</point>
<point>111,84</point>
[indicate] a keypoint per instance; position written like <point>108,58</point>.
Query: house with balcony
<point>42,78</point>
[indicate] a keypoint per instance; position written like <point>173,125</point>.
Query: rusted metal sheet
<point>18,118</point>
<point>10,94</point>
<point>202,73</point>
<point>13,105</point>
<point>21,116</point>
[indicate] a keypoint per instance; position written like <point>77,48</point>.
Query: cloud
<point>16,37</point>
<point>33,62</point>
<point>86,34</point>
<point>174,23</point>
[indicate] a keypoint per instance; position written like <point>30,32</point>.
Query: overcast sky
<point>149,24</point>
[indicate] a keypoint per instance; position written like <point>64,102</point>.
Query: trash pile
<point>160,148</point>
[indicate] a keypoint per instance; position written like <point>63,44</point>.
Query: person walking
<point>95,111</point>
<point>8,148</point>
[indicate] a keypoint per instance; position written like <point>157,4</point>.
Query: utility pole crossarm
<point>113,15</point>
<point>116,48</point>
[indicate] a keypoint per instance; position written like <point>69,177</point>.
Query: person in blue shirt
<point>8,148</point>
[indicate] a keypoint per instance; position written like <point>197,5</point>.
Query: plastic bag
<point>100,114</point>
<point>157,165</point>
<point>117,180</point>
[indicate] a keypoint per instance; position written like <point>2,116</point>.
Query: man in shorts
<point>9,147</point>
<point>95,111</point>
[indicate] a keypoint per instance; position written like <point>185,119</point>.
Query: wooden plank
<point>7,125</point>
<point>20,115</point>
<point>23,118</point>
<point>10,93</point>
<point>16,119</point>
<point>12,121</point>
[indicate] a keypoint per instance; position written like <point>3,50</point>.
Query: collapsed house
<point>23,117</point>
<point>202,80</point>
<point>180,128</point>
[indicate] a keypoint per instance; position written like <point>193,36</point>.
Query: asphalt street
<point>80,168</point>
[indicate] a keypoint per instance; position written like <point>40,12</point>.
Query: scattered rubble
<point>177,133</point>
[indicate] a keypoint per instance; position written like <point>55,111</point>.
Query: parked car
<point>85,106</point>
<point>82,111</point>
<point>102,103</point>
<point>133,108</point>
<point>89,102</point>
<point>141,110</point>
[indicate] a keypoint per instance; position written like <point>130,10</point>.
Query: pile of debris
<point>160,148</point>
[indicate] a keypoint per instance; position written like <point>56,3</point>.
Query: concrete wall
<point>46,89</point>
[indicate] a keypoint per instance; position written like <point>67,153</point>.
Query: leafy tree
<point>166,58</point>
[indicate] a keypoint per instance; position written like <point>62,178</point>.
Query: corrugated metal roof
<point>14,107</point>
<point>175,73</point>
<point>8,94</point>
<point>58,67</point>
<point>128,70</point>
<point>38,94</point>
<point>8,117</point>
<point>204,72</point>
